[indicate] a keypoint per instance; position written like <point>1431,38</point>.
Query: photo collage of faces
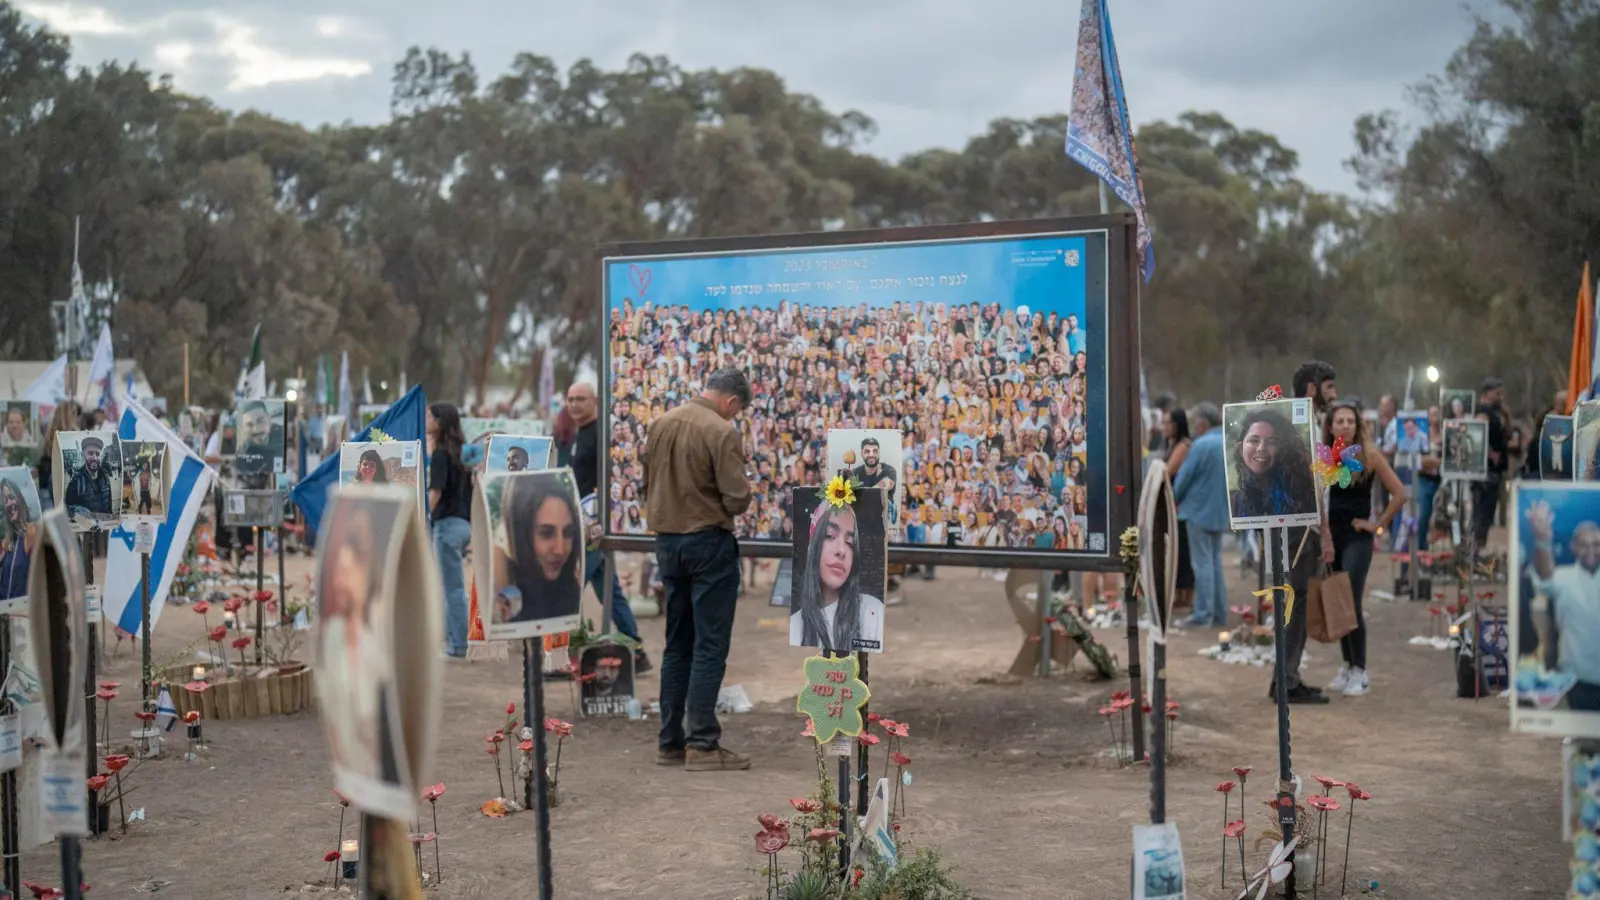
<point>990,400</point>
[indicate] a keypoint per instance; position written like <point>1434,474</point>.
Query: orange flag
<point>1580,374</point>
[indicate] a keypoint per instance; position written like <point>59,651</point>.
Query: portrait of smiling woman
<point>539,556</point>
<point>839,572</point>
<point>1270,480</point>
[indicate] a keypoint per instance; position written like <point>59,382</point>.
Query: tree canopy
<point>457,240</point>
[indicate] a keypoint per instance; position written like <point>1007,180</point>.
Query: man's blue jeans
<point>594,565</point>
<point>1210,591</point>
<point>701,574</point>
<point>450,539</point>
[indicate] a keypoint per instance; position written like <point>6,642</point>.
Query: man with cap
<point>1486,493</point>
<point>89,491</point>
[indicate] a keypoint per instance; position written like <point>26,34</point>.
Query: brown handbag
<point>1331,609</point>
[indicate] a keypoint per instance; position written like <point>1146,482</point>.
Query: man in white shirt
<point>1574,594</point>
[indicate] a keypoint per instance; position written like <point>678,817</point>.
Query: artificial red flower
<point>330,856</point>
<point>428,838</point>
<point>1173,704</point>
<point>526,746</point>
<point>868,739</point>
<point>106,694</point>
<point>873,717</point>
<point>770,822</point>
<point>263,596</point>
<point>1328,783</point>
<point>98,782</point>
<point>901,730</point>
<point>821,835</point>
<point>116,762</point>
<point>233,604</point>
<point>1233,829</point>
<point>109,685</point>
<point>1241,771</point>
<point>900,759</point>
<point>40,892</point>
<point>196,687</point>
<point>1362,796</point>
<point>496,737</point>
<point>343,800</point>
<point>1172,715</point>
<point>1107,711</point>
<point>558,727</point>
<point>897,828</point>
<point>511,708</point>
<point>202,607</point>
<point>492,749</point>
<point>143,716</point>
<point>242,641</point>
<point>805,805</point>
<point>887,724</point>
<point>1351,788</point>
<point>1121,695</point>
<point>434,793</point>
<point>855,880</point>
<point>1227,787</point>
<point>1049,620</point>
<point>1146,709</point>
<point>810,729</point>
<point>770,842</point>
<point>192,716</point>
<point>1324,804</point>
<point>218,633</point>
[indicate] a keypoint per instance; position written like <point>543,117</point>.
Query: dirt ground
<point>1010,781</point>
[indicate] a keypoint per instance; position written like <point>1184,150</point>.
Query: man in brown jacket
<point>695,485</point>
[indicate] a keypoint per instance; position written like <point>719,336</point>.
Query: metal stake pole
<point>1286,798</point>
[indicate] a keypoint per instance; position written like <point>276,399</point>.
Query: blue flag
<point>1099,137</point>
<point>404,420</point>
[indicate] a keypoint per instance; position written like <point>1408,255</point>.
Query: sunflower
<point>840,492</point>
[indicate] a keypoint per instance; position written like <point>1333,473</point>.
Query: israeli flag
<point>166,710</point>
<point>191,480</point>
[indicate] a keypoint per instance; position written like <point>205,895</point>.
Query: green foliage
<point>922,876</point>
<point>811,885</point>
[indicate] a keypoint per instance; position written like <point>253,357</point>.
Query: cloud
<point>933,73</point>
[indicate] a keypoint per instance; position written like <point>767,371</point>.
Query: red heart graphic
<point>639,278</point>
<point>1280,520</point>
<point>1121,488</point>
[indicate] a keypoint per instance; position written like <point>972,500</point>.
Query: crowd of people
<point>992,404</point>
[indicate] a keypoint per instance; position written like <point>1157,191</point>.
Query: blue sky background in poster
<point>1046,274</point>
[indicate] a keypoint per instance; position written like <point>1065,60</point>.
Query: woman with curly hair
<point>1272,467</point>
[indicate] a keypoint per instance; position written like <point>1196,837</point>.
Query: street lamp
<point>291,395</point>
<point>1433,374</point>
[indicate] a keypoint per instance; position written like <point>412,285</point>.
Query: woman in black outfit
<point>1175,430</point>
<point>450,506</point>
<point>1347,542</point>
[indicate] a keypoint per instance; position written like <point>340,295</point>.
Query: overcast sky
<point>930,72</point>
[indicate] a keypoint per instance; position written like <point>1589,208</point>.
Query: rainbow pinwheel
<point>1338,464</point>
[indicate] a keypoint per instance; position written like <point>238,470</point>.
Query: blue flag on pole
<point>1099,137</point>
<point>405,420</point>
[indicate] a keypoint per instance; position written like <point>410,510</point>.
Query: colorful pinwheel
<point>1339,464</point>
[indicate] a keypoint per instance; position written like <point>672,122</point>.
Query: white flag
<point>347,403</point>
<point>49,389</point>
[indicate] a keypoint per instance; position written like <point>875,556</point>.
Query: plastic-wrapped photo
<point>476,429</point>
<point>1268,450</point>
<point>840,571</point>
<point>388,462</point>
<point>144,480</point>
<point>19,433</point>
<point>1466,449</point>
<point>1458,403</point>
<point>515,453</point>
<point>1555,449</point>
<point>608,692</point>
<point>245,509</point>
<point>88,478</point>
<point>535,564</point>
<point>19,533</point>
<point>356,661</point>
<point>1586,439</point>
<point>261,442</point>
<point>1554,568</point>
<point>1411,432</point>
<point>873,457</point>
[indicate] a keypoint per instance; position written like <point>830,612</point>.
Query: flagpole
<point>1105,206</point>
<point>186,374</point>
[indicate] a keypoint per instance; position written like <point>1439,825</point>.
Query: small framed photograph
<point>1554,575</point>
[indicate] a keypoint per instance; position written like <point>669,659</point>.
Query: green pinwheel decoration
<point>833,697</point>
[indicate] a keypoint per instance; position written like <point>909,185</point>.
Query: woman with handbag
<point>1347,541</point>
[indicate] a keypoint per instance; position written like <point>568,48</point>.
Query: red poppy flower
<point>203,607</point>
<point>1173,704</point>
<point>1049,620</point>
<point>233,604</point>
<point>1147,709</point>
<point>192,716</point>
<point>770,822</point>
<point>196,687</point>
<point>887,724</point>
<point>1248,618</point>
<point>263,596</point>
<point>558,727</point>
<point>511,708</point>
<point>242,641</point>
<point>900,759</point>
<point>106,694</point>
<point>897,828</point>
<point>810,730</point>
<point>1324,804</point>
<point>330,856</point>
<point>1107,711</point>
<point>143,716</point>
<point>1362,796</point>
<point>492,749</point>
<point>1233,829</point>
<point>873,717</point>
<point>218,633</point>
<point>108,685</point>
<point>855,879</point>
<point>433,793</point>
<point>1172,715</point>
<point>901,730</point>
<point>1350,787</point>
<point>526,746</point>
<point>98,782</point>
<point>495,737</point>
<point>116,762</point>
<point>770,842</point>
<point>40,892</point>
<point>804,805</point>
<point>822,835</point>
<point>868,739</point>
<point>343,800</point>
<point>1226,787</point>
<point>1122,695</point>
<point>1328,783</point>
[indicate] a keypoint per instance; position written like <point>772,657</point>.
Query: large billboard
<point>1003,353</point>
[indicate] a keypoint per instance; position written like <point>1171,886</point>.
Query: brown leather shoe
<point>669,756</point>
<point>718,760</point>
